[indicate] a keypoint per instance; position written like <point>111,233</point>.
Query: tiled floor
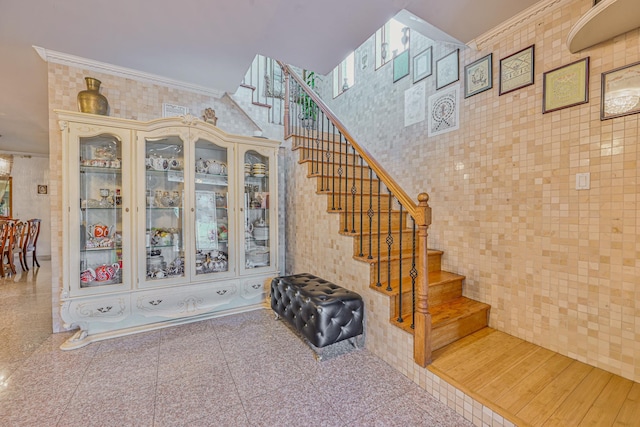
<point>240,370</point>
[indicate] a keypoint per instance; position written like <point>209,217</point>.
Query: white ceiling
<point>210,43</point>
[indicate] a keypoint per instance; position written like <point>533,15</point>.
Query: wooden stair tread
<point>436,278</point>
<point>384,257</point>
<point>364,212</point>
<point>327,176</point>
<point>445,314</point>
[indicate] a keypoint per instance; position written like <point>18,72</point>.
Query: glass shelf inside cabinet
<point>100,183</point>
<point>164,218</point>
<point>211,201</point>
<point>257,244</point>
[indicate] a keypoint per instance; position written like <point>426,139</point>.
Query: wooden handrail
<point>405,200</point>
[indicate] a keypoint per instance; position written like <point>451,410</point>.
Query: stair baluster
<point>378,283</point>
<point>333,174</point>
<point>370,212</point>
<point>400,320</point>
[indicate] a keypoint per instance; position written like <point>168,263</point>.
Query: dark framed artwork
<point>620,92</point>
<point>447,69</point>
<point>42,189</point>
<point>516,70</point>
<point>401,66</point>
<point>566,86</point>
<point>478,76</point>
<point>422,64</point>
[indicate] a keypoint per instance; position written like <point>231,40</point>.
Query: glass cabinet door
<point>257,219</point>
<point>101,219</point>
<point>212,231</point>
<point>164,213</point>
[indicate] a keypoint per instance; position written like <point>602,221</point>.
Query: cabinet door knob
<point>192,210</point>
<point>126,209</point>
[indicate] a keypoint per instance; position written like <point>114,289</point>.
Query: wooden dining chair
<point>19,241</point>
<point>5,228</point>
<point>6,244</point>
<point>33,231</point>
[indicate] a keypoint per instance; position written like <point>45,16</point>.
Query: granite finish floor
<point>241,370</point>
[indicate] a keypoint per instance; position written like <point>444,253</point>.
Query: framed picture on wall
<point>422,65</point>
<point>478,76</point>
<point>516,70</point>
<point>401,65</point>
<point>566,86</point>
<point>447,70</point>
<point>620,92</point>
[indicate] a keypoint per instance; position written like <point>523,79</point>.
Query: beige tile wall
<point>560,267</point>
<point>130,99</point>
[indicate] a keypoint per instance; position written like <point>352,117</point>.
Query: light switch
<point>583,181</point>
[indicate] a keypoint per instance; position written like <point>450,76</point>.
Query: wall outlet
<point>583,181</point>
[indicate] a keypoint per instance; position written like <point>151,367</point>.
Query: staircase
<point>453,315</point>
<point>388,228</point>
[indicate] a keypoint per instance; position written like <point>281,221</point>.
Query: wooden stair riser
<point>443,335</point>
<point>434,261</point>
<point>438,294</point>
<point>373,239</point>
<point>329,185</point>
<point>334,157</point>
<point>451,321</point>
<point>350,221</point>
<point>392,273</point>
<point>361,201</point>
<point>300,142</point>
<point>361,172</point>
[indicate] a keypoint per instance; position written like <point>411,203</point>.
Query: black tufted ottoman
<point>324,313</point>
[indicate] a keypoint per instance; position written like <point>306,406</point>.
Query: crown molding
<point>481,41</point>
<point>55,57</point>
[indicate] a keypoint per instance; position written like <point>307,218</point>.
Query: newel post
<point>287,102</point>
<point>422,331</point>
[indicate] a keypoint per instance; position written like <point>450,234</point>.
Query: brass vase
<point>91,100</point>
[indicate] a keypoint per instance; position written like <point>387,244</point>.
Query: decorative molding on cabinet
<point>170,303</point>
<point>61,58</point>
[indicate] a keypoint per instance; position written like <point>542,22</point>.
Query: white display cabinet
<point>165,222</point>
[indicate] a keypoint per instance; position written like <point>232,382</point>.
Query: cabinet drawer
<point>186,301</point>
<point>105,309</point>
<point>254,287</point>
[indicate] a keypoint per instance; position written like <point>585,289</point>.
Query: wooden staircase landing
<point>532,386</point>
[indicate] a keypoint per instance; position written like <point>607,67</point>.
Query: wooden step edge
<point>343,193</point>
<point>247,86</point>
<point>261,104</point>
<point>472,307</point>
<point>323,160</point>
<point>477,397</point>
<point>364,212</point>
<point>319,175</point>
<point>395,255</point>
<point>405,325</point>
<point>385,258</point>
<point>396,233</point>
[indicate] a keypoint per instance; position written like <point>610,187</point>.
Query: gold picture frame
<point>566,86</point>
<point>517,70</point>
